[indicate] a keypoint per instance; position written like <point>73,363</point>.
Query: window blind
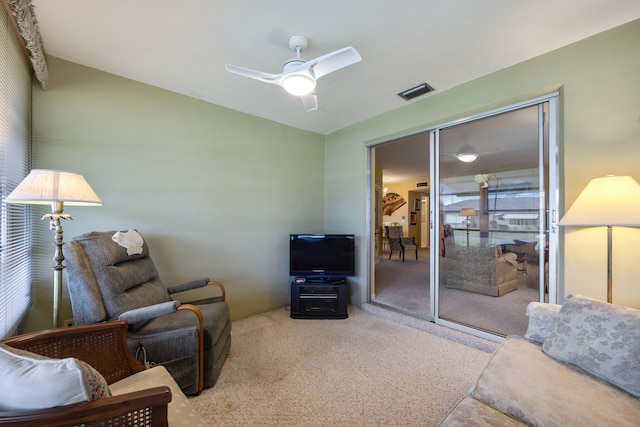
<point>15,157</point>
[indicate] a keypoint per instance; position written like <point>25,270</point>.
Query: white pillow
<point>30,381</point>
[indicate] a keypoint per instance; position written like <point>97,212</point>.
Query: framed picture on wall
<point>391,202</point>
<point>416,204</point>
<point>413,218</point>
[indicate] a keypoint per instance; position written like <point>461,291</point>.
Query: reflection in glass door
<point>492,227</point>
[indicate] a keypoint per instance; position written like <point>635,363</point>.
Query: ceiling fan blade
<point>310,102</point>
<point>253,74</point>
<point>333,61</point>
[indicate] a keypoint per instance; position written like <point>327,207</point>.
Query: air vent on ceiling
<point>415,91</point>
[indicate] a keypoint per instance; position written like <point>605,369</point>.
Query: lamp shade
<point>42,187</point>
<point>610,200</point>
<point>467,212</point>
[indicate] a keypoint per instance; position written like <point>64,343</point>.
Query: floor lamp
<point>608,201</point>
<point>43,187</point>
<point>468,212</point>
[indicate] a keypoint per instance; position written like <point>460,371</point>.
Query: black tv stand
<point>319,298</point>
<point>326,280</point>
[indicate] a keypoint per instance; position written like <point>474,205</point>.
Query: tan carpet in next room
<point>362,371</point>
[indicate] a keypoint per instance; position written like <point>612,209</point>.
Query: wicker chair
<point>104,347</point>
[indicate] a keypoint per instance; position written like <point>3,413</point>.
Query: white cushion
<point>524,382</point>
<point>179,413</point>
<point>30,381</point>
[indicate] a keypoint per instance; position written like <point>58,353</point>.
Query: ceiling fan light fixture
<point>467,154</point>
<point>298,77</point>
<point>467,158</point>
<point>298,84</point>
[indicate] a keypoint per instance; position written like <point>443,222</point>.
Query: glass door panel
<point>400,270</point>
<point>492,219</point>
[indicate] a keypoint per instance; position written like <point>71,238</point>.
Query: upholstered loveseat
<point>577,365</point>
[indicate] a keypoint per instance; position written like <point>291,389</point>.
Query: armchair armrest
<point>104,347</point>
<point>196,284</point>
<point>148,406</point>
<point>195,310</point>
<point>101,345</point>
<point>542,320</point>
<point>137,317</point>
<point>509,257</point>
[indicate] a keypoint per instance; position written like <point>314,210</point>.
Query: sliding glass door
<point>478,197</point>
<point>493,199</point>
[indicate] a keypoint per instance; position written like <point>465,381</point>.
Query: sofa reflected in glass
<point>483,269</point>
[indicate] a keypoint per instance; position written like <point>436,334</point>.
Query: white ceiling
<point>182,45</point>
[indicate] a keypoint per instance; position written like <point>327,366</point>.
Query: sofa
<point>481,269</point>
<point>85,375</point>
<point>578,364</point>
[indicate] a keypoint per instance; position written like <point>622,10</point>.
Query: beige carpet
<point>405,286</point>
<point>360,371</point>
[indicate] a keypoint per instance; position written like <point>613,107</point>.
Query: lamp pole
<point>54,224</point>
<point>609,264</point>
<point>468,212</point>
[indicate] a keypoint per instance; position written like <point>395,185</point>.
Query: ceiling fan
<point>298,77</point>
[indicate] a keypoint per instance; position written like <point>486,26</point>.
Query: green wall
<point>599,82</point>
<point>215,192</point>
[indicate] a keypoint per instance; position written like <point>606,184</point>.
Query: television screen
<point>321,255</point>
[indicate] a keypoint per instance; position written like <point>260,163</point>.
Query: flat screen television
<point>321,255</point>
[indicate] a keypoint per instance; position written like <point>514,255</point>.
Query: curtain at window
<point>15,155</point>
<point>24,20</point>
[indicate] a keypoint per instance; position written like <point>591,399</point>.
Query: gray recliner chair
<point>110,275</point>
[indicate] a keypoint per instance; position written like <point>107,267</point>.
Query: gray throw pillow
<point>601,338</point>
